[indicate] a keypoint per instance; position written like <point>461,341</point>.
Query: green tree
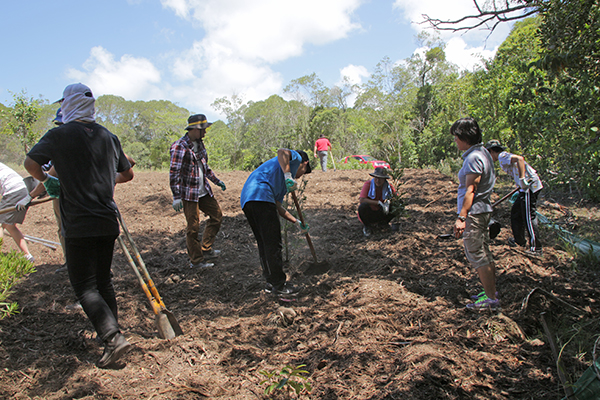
<point>19,119</point>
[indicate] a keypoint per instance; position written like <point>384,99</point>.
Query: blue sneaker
<point>484,303</point>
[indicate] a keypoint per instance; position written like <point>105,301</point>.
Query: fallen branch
<point>436,199</point>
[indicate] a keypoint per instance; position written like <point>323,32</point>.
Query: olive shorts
<point>476,240</point>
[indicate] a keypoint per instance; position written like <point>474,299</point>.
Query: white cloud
<point>467,58</point>
<point>244,39</point>
<point>130,77</point>
<point>463,48</point>
<point>354,73</point>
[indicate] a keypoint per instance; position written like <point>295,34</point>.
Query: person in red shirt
<point>374,207</point>
<point>322,146</point>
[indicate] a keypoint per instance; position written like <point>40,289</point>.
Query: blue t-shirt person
<point>267,182</point>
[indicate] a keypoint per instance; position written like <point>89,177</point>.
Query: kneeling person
<point>374,206</point>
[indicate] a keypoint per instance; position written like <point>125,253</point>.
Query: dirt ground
<point>379,318</point>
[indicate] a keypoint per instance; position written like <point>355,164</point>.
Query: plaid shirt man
<point>184,173</point>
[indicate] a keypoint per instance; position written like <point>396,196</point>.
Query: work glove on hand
<point>177,205</point>
<point>52,186</point>
<point>385,206</point>
<point>303,227</point>
<point>222,185</point>
<point>24,203</point>
<point>524,183</point>
<point>290,183</point>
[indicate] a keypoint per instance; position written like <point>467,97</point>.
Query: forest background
<point>539,95</point>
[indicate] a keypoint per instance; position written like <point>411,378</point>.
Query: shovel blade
<point>167,330</point>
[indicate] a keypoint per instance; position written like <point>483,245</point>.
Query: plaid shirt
<point>184,173</point>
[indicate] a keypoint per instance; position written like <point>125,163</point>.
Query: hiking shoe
<point>366,231</point>
<point>202,264</point>
<point>534,253</point>
<point>512,242</point>
<point>287,289</point>
<point>480,294</point>
<point>114,349</point>
<point>484,303</point>
<point>30,258</point>
<point>212,253</point>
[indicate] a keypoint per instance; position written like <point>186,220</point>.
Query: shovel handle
<point>140,261</point>
<point>155,306</point>
<point>312,249</point>
<point>33,203</point>
<point>505,197</point>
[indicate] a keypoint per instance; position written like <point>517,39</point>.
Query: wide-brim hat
<point>197,121</point>
<point>380,172</point>
<point>494,144</point>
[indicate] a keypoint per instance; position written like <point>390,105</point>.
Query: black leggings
<point>264,221</point>
<point>88,261</point>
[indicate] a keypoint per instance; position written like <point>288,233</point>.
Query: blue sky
<point>192,52</point>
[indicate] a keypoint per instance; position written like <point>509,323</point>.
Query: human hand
<point>385,206</point>
<point>524,183</point>
<point>23,203</point>
<point>459,228</point>
<point>303,227</point>
<point>52,186</point>
<point>290,183</point>
<point>177,205</point>
<point>222,185</point>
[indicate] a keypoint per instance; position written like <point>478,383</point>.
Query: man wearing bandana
<point>89,161</point>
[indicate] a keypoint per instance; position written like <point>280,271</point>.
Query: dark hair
<point>467,130</point>
<point>305,158</point>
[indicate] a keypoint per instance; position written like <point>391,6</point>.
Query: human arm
<point>40,189</point>
<point>284,156</point>
<point>51,183</point>
<point>285,214</point>
<point>315,150</point>
<point>126,164</point>
<point>471,182</point>
<point>520,162</point>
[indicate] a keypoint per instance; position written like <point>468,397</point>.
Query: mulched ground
<point>379,318</point>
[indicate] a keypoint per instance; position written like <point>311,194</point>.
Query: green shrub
<point>13,266</point>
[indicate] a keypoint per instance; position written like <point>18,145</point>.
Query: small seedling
<point>282,380</point>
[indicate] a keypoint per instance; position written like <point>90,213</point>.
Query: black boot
<point>114,349</point>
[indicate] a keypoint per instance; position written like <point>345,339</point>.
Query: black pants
<point>368,216</point>
<point>264,221</point>
<point>523,217</point>
<point>88,261</point>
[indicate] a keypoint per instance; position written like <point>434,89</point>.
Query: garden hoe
<point>166,323</point>
<point>312,249</point>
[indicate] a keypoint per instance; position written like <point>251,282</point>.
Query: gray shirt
<point>478,161</point>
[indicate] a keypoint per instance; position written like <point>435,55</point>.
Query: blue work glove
<point>222,185</point>
<point>52,186</point>
<point>177,205</point>
<point>290,183</point>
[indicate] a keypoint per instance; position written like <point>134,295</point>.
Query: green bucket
<point>588,386</point>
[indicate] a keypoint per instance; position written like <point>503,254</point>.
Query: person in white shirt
<point>14,194</point>
<point>523,212</point>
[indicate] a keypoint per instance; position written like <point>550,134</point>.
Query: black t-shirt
<point>86,157</point>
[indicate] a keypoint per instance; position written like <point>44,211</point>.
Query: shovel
<point>33,203</point>
<point>332,160</point>
<point>494,226</point>
<point>166,323</point>
<point>312,249</point>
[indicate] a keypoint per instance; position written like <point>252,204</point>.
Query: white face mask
<point>78,106</point>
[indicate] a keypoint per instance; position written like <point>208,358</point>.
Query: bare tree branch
<point>485,17</point>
